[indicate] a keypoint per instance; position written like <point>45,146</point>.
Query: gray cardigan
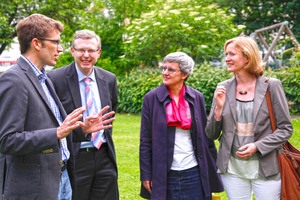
<point>265,141</point>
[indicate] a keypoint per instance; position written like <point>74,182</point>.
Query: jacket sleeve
<point>284,127</point>
<point>18,109</point>
<point>213,128</point>
<point>146,141</point>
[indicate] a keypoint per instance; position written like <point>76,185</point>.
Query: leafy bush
<point>133,86</point>
<point>290,78</point>
<point>136,84</point>
<point>197,27</point>
<point>205,79</point>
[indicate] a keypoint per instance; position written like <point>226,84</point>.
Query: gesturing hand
<point>220,98</point>
<point>96,122</point>
<point>71,122</point>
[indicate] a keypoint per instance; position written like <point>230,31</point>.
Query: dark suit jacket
<point>66,84</point>
<point>31,153</point>
<point>157,143</point>
<point>265,141</point>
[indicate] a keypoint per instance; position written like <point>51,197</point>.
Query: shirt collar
<point>81,76</point>
<point>41,75</point>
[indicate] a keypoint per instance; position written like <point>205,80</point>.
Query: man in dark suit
<point>96,168</point>
<point>35,139</point>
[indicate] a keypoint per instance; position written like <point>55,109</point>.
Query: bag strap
<point>268,97</point>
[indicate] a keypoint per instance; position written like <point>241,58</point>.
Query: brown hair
<point>35,26</point>
<point>249,49</point>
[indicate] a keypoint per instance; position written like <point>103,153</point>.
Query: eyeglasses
<point>56,41</point>
<point>170,70</point>
<point>83,51</point>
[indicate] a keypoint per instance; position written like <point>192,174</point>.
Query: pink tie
<point>91,110</point>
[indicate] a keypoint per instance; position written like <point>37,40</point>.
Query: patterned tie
<point>91,110</point>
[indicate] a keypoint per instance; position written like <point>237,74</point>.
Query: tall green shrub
<point>132,88</point>
<point>136,84</point>
<point>290,79</point>
<point>205,78</point>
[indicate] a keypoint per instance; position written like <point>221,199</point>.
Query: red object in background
<point>7,62</point>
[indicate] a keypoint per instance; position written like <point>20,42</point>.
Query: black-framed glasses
<point>83,51</point>
<point>45,39</point>
<point>170,70</point>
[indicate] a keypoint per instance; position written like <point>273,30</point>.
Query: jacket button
<point>60,162</point>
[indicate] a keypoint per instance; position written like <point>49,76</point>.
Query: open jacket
<point>30,152</point>
<point>157,143</point>
<point>265,141</point>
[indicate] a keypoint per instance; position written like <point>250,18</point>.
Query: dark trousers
<point>96,176</point>
<point>185,185</point>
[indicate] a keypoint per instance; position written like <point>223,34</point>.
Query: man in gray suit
<point>95,165</point>
<point>35,139</point>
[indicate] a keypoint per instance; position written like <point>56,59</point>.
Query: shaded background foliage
<point>14,10</point>
<point>198,28</point>
<point>256,14</point>
<point>205,78</point>
<point>137,34</point>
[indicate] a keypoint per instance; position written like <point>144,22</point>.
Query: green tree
<point>66,11</point>
<point>198,28</point>
<point>256,14</point>
<point>108,19</point>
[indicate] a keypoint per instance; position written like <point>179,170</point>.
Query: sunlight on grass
<point>126,134</point>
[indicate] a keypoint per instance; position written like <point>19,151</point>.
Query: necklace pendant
<point>243,92</point>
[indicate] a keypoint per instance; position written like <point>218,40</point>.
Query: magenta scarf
<point>179,116</point>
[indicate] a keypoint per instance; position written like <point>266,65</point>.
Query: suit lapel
<point>34,80</point>
<point>56,99</point>
<point>72,79</point>
<point>259,95</point>
<point>230,92</point>
<point>102,87</point>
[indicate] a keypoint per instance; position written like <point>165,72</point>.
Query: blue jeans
<point>65,190</point>
<point>185,185</point>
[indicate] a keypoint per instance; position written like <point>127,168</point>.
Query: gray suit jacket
<point>265,141</point>
<point>66,84</point>
<point>31,153</point>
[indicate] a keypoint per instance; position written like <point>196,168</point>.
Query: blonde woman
<point>239,117</point>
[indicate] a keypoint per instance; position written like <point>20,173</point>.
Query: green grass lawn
<point>126,133</point>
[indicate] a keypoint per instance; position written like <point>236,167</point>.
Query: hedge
<point>133,86</point>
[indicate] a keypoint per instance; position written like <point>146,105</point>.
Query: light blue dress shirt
<point>96,98</point>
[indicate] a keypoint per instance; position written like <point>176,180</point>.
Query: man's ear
<point>36,44</point>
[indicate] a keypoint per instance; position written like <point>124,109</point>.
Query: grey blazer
<point>265,141</point>
<point>31,154</point>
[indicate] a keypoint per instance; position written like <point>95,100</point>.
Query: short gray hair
<point>86,34</point>
<point>186,63</point>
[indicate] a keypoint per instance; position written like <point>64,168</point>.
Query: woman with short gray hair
<point>177,160</point>
<point>186,63</point>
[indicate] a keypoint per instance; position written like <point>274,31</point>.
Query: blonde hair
<point>86,34</point>
<point>249,49</point>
